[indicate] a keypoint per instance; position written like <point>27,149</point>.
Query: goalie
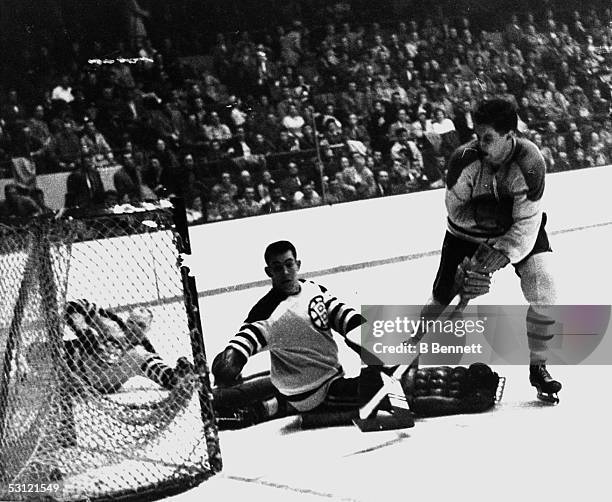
<point>294,323</point>
<point>106,351</point>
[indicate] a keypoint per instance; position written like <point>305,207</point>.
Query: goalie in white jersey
<point>294,322</point>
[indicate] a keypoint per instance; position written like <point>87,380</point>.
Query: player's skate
<point>546,386</point>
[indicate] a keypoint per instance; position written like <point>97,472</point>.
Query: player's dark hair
<point>497,113</point>
<point>279,247</point>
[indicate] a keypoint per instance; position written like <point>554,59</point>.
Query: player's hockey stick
<point>485,260</point>
<point>367,420</point>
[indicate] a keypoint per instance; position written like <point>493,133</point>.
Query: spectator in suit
<point>355,131</point>
<point>464,122</point>
<point>383,184</point>
<point>601,106</point>
<point>238,146</point>
<point>128,180</point>
<point>277,203</point>
<point>286,142</point>
<point>84,186</point>
<point>261,146</point>
<point>293,183</point>
<point>67,146</point>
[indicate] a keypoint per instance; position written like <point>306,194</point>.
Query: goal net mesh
<point>104,390</point>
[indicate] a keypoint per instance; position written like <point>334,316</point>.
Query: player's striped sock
<point>158,371</point>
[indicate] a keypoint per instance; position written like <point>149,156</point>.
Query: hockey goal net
<point>66,433</point>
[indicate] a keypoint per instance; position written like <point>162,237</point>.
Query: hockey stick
<point>485,260</point>
<point>391,385</point>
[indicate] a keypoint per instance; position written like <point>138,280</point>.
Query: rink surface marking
<point>282,486</point>
<point>365,264</point>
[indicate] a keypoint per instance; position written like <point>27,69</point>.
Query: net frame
<point>38,270</point>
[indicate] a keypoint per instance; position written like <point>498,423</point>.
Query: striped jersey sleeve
<point>342,318</point>
<point>252,337</point>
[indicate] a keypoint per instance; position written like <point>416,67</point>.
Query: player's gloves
<point>470,283</point>
<point>487,259</point>
<point>473,276</point>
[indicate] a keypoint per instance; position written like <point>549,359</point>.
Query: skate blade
<point>548,398</point>
<point>499,392</point>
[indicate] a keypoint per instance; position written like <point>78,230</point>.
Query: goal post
<point>104,386</point>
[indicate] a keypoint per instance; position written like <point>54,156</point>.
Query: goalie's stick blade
<point>391,384</point>
<point>400,418</point>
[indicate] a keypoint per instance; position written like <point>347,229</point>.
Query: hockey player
<point>494,195</point>
<point>294,322</point>
<point>106,351</point>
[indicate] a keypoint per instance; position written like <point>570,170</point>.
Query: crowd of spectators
<point>301,116</point>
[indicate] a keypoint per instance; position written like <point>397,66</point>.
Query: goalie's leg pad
<point>443,390</point>
<point>254,388</point>
<point>247,403</point>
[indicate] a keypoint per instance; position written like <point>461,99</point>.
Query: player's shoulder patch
<point>533,167</point>
<point>461,158</point>
<point>264,308</point>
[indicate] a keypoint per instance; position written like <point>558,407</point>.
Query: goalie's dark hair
<point>279,247</point>
<point>497,113</point>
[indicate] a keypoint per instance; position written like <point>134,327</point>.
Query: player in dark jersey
<point>106,351</point>
<point>494,195</point>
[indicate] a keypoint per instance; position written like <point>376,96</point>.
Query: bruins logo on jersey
<point>317,311</point>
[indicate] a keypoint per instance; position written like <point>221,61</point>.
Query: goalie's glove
<point>227,366</point>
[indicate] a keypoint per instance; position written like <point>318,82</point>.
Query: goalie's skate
<point>546,386</point>
<point>241,418</point>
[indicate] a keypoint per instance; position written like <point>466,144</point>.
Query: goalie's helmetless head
<point>282,266</point>
<point>139,321</point>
